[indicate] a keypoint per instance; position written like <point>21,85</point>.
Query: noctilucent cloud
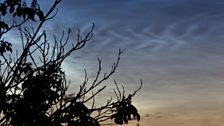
<point>175,46</point>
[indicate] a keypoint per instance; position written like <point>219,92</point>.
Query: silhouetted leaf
<point>3,25</point>
<point>31,13</point>
<point>3,8</point>
<point>11,9</point>
<point>19,12</point>
<point>40,15</point>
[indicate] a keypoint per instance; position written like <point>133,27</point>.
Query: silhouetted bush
<point>33,86</point>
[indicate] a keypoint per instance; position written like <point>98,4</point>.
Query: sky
<point>174,46</point>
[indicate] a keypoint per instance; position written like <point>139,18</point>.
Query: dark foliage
<point>20,9</point>
<point>124,111</point>
<point>33,90</point>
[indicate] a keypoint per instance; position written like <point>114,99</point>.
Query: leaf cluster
<point>124,110</point>
<point>5,46</point>
<point>20,9</point>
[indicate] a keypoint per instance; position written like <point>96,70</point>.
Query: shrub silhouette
<point>33,91</point>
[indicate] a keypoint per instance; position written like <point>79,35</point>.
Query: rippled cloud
<point>175,46</point>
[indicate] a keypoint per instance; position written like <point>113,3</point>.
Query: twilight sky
<point>175,46</point>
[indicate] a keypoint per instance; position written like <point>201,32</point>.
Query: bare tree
<point>33,86</point>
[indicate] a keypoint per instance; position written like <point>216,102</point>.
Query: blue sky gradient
<point>175,46</point>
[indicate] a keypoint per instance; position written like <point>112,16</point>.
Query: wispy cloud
<point>175,46</point>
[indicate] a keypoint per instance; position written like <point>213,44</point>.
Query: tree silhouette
<point>33,86</point>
